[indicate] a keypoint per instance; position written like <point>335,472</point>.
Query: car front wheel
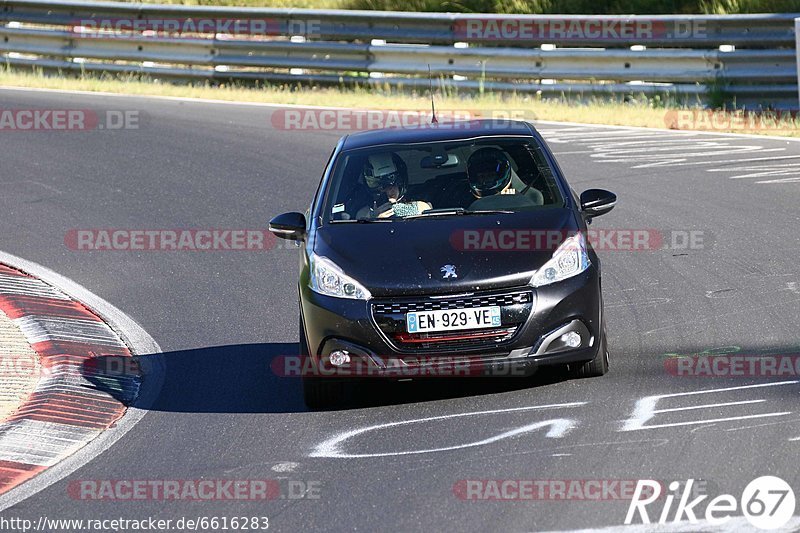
<point>318,393</point>
<point>596,367</point>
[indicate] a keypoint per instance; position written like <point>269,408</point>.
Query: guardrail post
<point>797,53</point>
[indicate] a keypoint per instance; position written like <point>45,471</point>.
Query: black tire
<point>322,393</point>
<point>318,393</point>
<point>303,351</point>
<point>596,367</point>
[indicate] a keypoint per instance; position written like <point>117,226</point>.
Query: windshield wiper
<point>457,211</point>
<point>489,212</point>
<point>360,220</point>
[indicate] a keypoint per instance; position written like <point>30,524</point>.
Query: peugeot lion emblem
<point>449,271</point>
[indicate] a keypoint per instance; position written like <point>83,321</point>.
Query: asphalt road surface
<point>221,317</point>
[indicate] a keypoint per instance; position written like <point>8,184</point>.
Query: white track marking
<point>285,467</point>
<point>42,329</point>
<point>641,150</point>
<point>713,420</point>
<point>734,525</point>
<point>664,130</point>
<point>765,424</point>
<point>763,171</point>
<point>650,149</point>
<point>558,428</point>
<point>731,161</point>
<point>669,160</point>
<point>645,409</point>
<point>50,438</point>
<point>784,180</point>
<point>706,406</point>
<point>139,342</point>
<point>331,448</point>
<point>28,286</point>
<point>657,153</point>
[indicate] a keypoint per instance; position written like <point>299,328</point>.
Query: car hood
<point>407,257</point>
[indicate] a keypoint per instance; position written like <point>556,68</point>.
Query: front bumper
<point>574,304</point>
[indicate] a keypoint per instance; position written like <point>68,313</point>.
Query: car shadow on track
<point>241,379</point>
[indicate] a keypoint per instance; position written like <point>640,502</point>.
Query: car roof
<point>445,131</point>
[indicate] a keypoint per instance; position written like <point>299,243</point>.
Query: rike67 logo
<point>767,502</point>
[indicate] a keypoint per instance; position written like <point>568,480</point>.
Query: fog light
<point>571,339</point>
<point>339,357</point>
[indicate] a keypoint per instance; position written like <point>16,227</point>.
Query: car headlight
<point>328,279</point>
<point>569,259</point>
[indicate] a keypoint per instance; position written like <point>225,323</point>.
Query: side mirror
<point>291,226</point>
<point>596,202</point>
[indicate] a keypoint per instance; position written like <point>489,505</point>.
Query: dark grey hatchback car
<point>449,244</point>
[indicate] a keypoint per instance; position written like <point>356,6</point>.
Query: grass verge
<point>621,7</point>
<point>642,112</point>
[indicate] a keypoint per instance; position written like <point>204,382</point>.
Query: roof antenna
<point>434,120</point>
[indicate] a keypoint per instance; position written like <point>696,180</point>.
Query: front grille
<point>456,303</point>
<point>390,316</point>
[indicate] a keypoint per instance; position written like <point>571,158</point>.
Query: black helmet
<point>383,170</point>
<point>488,171</point>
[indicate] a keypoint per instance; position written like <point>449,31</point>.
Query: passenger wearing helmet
<point>386,177</point>
<point>490,177</point>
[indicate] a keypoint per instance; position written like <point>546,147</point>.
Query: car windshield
<point>438,179</point>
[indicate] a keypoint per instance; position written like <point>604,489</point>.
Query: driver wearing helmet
<point>386,177</point>
<point>489,174</point>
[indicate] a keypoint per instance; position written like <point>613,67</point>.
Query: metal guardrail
<point>751,56</point>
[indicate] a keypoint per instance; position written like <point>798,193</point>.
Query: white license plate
<point>453,319</point>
